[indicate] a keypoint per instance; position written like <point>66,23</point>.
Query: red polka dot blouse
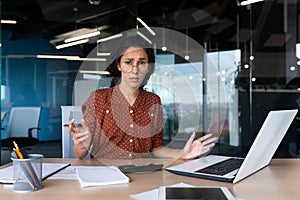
<point>121,131</point>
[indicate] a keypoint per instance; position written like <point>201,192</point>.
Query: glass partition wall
<point>220,68</point>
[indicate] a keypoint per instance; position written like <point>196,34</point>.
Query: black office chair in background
<point>22,127</point>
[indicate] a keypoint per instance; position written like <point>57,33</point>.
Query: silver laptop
<point>260,154</point>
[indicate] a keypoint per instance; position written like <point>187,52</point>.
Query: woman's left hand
<point>194,148</point>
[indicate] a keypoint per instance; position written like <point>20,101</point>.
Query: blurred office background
<point>254,49</point>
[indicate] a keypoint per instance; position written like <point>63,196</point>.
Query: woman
<point>125,121</point>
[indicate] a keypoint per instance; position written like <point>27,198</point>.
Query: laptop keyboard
<point>223,167</point>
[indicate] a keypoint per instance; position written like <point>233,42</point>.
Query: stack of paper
<point>100,175</point>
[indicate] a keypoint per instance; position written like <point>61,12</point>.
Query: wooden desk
<point>280,180</point>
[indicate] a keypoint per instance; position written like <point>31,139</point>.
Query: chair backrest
<point>21,119</point>
<point>68,113</point>
<point>2,115</point>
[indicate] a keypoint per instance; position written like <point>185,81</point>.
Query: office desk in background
<point>280,180</point>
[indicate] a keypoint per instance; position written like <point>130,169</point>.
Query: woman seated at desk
<point>125,121</point>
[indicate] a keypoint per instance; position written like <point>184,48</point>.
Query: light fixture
<point>186,57</point>
<point>146,26</point>
<point>103,54</point>
<point>3,21</point>
<point>248,2</point>
<point>106,39</point>
<point>298,50</point>
<point>71,44</point>
<point>74,58</point>
<point>292,68</point>
<point>80,37</point>
<point>110,37</point>
<point>94,2</point>
<point>87,59</point>
<point>94,72</point>
<point>144,37</point>
<point>56,57</point>
<point>76,35</point>
<point>246,66</point>
<point>163,48</point>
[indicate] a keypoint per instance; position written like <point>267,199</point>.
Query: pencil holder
<point>28,173</point>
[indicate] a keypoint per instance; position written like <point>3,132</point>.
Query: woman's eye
<point>143,63</point>
<point>128,62</point>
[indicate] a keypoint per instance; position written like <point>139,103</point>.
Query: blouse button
<point>130,140</point>
<point>131,111</point>
<point>151,114</point>
<point>130,155</point>
<point>107,111</point>
<point>131,125</point>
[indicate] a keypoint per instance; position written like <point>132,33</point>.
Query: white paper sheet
<point>100,175</point>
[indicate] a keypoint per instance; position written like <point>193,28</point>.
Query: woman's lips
<point>134,79</point>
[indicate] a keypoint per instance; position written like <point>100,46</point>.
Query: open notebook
<point>232,169</point>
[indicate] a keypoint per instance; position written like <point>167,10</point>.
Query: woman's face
<point>134,67</point>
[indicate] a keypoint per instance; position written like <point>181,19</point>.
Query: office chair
<point>22,127</point>
<point>3,114</point>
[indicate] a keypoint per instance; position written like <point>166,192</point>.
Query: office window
<point>252,48</point>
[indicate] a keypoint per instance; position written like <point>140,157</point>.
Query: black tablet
<point>140,168</point>
<point>189,193</point>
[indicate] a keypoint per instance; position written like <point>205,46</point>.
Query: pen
<point>75,125</point>
<point>17,151</point>
<point>198,135</point>
<point>27,168</point>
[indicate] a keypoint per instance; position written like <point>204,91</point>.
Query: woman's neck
<point>130,94</point>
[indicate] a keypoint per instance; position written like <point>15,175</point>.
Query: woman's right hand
<point>81,134</point>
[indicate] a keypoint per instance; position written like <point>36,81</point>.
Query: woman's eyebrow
<point>130,59</point>
<point>142,59</point>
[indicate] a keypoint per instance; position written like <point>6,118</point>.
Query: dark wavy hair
<point>133,41</point>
